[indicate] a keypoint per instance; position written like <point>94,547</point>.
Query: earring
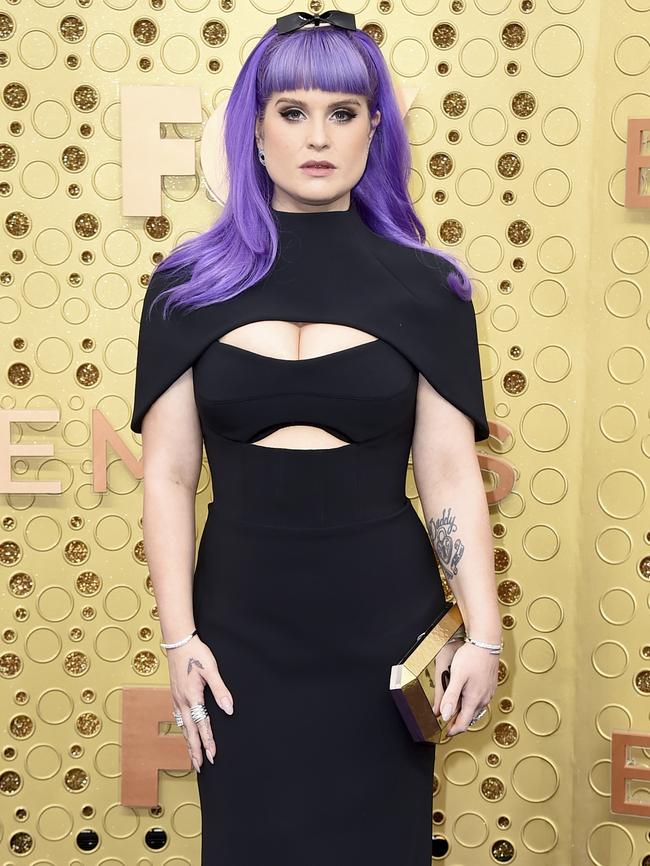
<point>260,156</point>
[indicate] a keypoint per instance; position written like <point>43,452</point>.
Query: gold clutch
<point>424,668</point>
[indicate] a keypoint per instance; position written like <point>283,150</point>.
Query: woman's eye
<point>348,115</point>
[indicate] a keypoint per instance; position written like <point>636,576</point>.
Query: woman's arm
<point>449,482</point>
<point>172,453</point>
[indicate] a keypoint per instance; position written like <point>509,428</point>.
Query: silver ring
<point>179,719</point>
<point>198,712</point>
<point>480,713</point>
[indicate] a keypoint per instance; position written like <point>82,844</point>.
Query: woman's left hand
<point>474,676</point>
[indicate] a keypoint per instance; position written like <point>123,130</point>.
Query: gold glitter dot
<point>87,375</point>
<point>454,104</point>
<point>138,552</point>
<point>19,374</point>
<point>514,382</point>
<point>10,553</point>
<point>502,850</point>
<point>85,98</point>
<point>375,31</point>
<point>513,35</point>
<point>76,779</point>
<point>214,33</point>
<point>444,35</point>
<point>509,165</point>
<point>501,560</point>
<point>15,95</point>
<point>87,225</point>
<point>10,665</point>
<point>76,663</point>
<point>9,782</point>
<point>88,583</point>
<point>8,156</point>
<point>451,231</point>
<point>505,734</point>
<point>88,724</point>
<point>7,26</point>
<point>509,592</point>
<point>145,31</point>
<point>21,843</point>
<point>74,158</point>
<point>76,552</point>
<point>519,232</point>
<point>492,788</point>
<point>523,104</point>
<point>642,681</point>
<point>145,663</point>
<point>21,726</point>
<point>17,224</point>
<point>72,28</point>
<point>158,228</point>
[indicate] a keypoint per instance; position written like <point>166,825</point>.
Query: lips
<point>313,164</point>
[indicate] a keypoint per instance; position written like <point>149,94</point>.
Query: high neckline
<point>319,221</point>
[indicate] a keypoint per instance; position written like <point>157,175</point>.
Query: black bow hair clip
<point>296,20</point>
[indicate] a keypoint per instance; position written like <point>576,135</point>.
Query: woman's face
<point>302,126</point>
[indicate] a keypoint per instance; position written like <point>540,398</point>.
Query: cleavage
<point>295,341</point>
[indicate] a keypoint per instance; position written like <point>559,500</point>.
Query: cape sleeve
<point>441,336</point>
<point>165,348</point>
<point>451,362</point>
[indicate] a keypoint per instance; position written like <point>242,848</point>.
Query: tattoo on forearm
<point>448,550</point>
<point>193,662</point>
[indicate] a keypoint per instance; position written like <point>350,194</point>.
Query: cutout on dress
<point>306,437</point>
<point>253,336</point>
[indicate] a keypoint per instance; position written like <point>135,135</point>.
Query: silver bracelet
<point>495,648</point>
<point>178,643</point>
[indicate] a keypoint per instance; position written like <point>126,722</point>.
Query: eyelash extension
<point>351,114</point>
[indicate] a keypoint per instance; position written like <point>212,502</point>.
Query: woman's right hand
<point>190,668</point>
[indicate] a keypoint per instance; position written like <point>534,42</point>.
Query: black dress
<point>314,572</point>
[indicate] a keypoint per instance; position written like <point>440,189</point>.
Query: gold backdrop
<point>518,118</point>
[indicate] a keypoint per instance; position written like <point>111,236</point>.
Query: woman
<point>309,339</point>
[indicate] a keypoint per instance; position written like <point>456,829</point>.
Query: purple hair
<point>241,246</point>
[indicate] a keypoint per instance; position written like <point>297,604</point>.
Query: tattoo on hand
<point>448,551</point>
<point>191,663</point>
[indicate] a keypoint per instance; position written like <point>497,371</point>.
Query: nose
<point>317,132</point>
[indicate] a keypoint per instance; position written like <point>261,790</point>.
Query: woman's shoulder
<point>423,271</point>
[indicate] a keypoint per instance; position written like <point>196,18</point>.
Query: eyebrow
<point>304,104</point>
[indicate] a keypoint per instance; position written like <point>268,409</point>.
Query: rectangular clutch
<point>423,669</point>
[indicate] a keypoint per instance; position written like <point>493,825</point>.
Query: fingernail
<point>210,758</point>
<point>226,704</point>
<point>446,711</point>
<point>196,765</point>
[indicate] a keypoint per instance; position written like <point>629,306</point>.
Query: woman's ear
<point>375,123</point>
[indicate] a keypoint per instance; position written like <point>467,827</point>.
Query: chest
<point>294,341</point>
<point>303,385</point>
